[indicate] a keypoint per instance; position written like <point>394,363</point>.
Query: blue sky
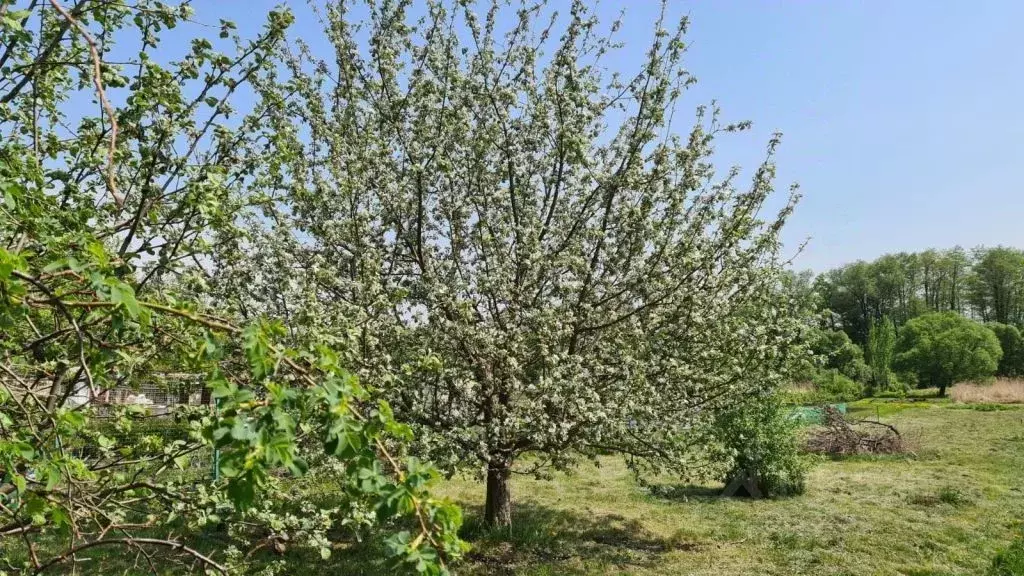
<point>902,120</point>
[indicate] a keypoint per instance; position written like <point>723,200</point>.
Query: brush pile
<point>839,436</point>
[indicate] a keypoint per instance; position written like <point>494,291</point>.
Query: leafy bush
<point>760,438</point>
<point>101,289</point>
<point>836,351</point>
<point>837,387</point>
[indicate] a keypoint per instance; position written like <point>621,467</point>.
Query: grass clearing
<point>953,507</point>
<point>947,511</point>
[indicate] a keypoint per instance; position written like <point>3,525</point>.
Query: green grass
<point>913,393</point>
<point>951,508</point>
<point>947,510</point>
<point>1009,562</point>
<point>986,407</point>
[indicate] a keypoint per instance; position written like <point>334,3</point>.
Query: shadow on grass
<point>561,540</point>
<point>541,539</point>
<point>685,492</point>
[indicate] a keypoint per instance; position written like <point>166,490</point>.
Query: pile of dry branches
<point>840,436</point>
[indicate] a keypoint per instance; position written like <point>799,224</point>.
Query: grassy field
<point>946,510</point>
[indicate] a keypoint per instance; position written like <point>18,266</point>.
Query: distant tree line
<point>926,319</point>
<point>984,284</point>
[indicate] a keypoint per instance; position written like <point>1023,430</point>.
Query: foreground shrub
<point>760,439</point>
<point>106,223</point>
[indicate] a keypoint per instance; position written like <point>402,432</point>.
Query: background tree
<point>851,294</point>
<point>837,352</point>
<point>523,252</point>
<point>881,347</point>
<point>905,285</point>
<point>997,285</point>
<point>958,265</point>
<point>943,348</point>
<point>1012,344</point>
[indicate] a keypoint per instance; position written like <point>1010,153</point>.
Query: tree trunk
<point>498,509</point>
<point>942,390</point>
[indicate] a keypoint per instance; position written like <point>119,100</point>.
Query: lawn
<point>946,510</point>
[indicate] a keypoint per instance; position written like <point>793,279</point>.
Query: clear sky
<point>903,121</point>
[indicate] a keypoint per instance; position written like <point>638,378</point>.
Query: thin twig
<point>132,542</point>
<point>97,79</point>
<point>67,314</point>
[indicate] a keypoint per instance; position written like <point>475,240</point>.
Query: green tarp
<point>814,414</point>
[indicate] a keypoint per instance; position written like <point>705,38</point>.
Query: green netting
<point>814,414</point>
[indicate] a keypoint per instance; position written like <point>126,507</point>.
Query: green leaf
<point>397,543</point>
<point>242,491</point>
<point>8,263</point>
<point>241,430</point>
<point>344,439</point>
<point>35,508</point>
<point>59,517</point>
<point>257,350</point>
<point>124,295</point>
<point>25,450</point>
<point>228,469</point>
<point>104,442</point>
<point>72,418</point>
<point>12,20</point>
<point>53,475</point>
<point>55,266</point>
<point>298,466</point>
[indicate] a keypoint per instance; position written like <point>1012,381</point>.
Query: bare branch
<point>97,79</point>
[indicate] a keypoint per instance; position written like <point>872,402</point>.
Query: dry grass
<point>1002,391</point>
